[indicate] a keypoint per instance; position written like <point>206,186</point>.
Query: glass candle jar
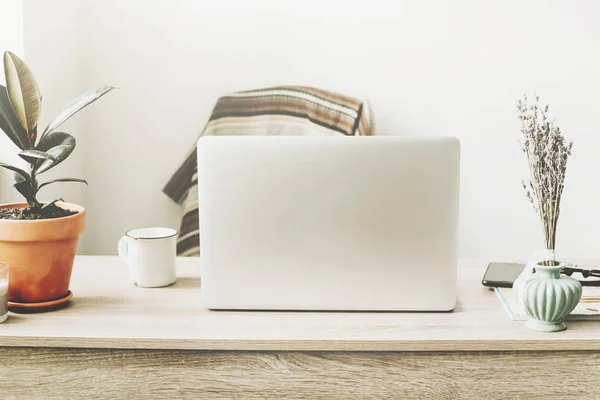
<point>3,291</point>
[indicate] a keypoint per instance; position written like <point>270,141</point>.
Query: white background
<point>428,68</point>
<point>11,38</point>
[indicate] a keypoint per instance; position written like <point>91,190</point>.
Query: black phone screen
<point>502,274</point>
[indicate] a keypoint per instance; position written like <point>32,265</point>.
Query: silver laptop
<point>328,223</point>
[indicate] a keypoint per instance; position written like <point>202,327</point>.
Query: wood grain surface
<point>51,373</point>
<point>107,311</point>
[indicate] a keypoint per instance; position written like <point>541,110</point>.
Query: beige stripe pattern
<point>282,110</point>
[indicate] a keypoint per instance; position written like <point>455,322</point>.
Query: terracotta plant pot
<point>40,254</point>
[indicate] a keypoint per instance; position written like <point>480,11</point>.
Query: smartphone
<point>502,274</point>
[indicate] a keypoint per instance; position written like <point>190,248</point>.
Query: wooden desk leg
<point>49,373</point>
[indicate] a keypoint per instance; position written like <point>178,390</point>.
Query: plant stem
<point>36,203</point>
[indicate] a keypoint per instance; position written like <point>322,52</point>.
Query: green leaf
<point>19,178</point>
<point>61,180</point>
<point>75,106</point>
<point>23,91</point>
<point>58,145</point>
<point>33,156</point>
<point>32,137</point>
<point>18,170</point>
<point>9,123</point>
<point>26,188</point>
<point>49,204</point>
<point>26,191</point>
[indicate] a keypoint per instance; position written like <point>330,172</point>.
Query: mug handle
<point>124,250</point>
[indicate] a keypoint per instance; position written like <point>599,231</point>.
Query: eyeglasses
<point>586,273</point>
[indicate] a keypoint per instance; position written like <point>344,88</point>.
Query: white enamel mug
<point>150,254</point>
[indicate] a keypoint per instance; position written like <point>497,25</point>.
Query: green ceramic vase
<point>549,298</point>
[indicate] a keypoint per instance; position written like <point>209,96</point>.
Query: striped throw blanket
<point>282,110</point>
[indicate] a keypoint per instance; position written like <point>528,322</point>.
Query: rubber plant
<point>38,240</point>
<point>20,109</point>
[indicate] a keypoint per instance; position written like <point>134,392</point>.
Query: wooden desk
<point>115,340</point>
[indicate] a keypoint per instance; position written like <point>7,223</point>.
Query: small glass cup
<point>3,291</point>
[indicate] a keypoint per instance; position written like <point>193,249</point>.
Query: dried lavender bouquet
<point>547,153</point>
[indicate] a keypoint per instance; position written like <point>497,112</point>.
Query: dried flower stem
<point>547,154</point>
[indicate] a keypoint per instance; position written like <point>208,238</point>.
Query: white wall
<point>11,28</point>
<point>428,67</point>
<point>11,39</point>
<point>55,54</point>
